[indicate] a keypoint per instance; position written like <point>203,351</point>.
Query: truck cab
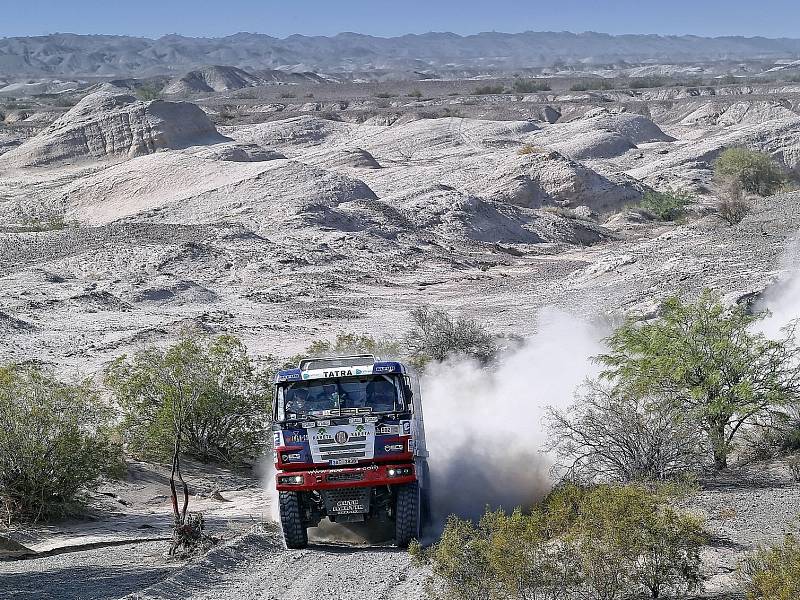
<point>349,445</point>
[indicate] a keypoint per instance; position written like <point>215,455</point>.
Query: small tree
<point>772,573</point>
<point>610,435</point>
<point>201,395</point>
<point>435,335</point>
<point>755,171</point>
<point>54,442</point>
<point>705,356</point>
<point>207,387</point>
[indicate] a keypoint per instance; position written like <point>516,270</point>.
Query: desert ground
<point>290,211</point>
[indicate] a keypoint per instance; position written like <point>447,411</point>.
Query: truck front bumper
<point>332,479</point>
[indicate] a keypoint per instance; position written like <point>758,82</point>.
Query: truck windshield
<point>347,396</point>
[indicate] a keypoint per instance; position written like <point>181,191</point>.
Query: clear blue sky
<point>153,18</point>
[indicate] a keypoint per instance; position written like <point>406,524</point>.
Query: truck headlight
<point>291,479</point>
<point>399,471</point>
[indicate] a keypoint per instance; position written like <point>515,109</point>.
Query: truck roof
<point>339,366</point>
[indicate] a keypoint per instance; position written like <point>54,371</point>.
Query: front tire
<point>406,514</point>
<point>294,530</point>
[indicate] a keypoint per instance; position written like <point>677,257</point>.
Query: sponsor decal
<point>276,439</point>
<point>411,445</point>
<point>370,419</point>
<point>291,457</point>
<point>343,461</point>
<point>393,448</point>
<point>296,438</point>
<point>360,430</point>
<point>355,420</point>
<point>388,430</point>
<point>341,437</point>
<point>406,427</point>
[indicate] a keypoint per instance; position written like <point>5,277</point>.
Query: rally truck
<point>350,446</point>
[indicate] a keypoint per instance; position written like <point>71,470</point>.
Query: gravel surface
<point>99,574</point>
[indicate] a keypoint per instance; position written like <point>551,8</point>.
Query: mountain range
<point>65,54</point>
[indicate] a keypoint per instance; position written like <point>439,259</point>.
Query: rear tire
<point>406,514</point>
<point>294,530</point>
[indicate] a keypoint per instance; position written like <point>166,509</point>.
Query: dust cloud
<point>783,298</point>
<point>485,428</point>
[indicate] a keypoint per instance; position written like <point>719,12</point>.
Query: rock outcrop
<point>551,179</point>
<point>212,79</point>
<point>112,123</point>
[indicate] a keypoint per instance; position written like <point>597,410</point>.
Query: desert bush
<point>630,539</point>
<point>486,90</point>
<point>592,84</point>
<point>610,435</point>
<point>415,94</point>
<point>772,573</point>
<point>598,543</point>
<point>459,559</point>
<point>288,95</point>
<point>435,335</point>
<point>755,171</point>
<point>351,344</point>
<point>55,441</point>
<point>385,95</point>
<point>529,149</point>
<point>666,206</point>
<point>148,92</point>
<point>794,467</point>
<point>529,86</point>
<point>706,358</point>
<point>733,206</point>
<point>205,390</point>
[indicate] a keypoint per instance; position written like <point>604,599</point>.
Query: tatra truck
<point>349,445</point>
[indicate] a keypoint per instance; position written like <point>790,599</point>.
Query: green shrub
<point>54,442</point>
<point>205,387</point>
<point>347,344</point>
<point>666,206</point>
<point>148,92</point>
<point>599,543</point>
<point>528,86</point>
<point>772,573</point>
<point>487,90</point>
<point>629,538</point>
<point>755,171</point>
<point>415,94</point>
<point>592,84</point>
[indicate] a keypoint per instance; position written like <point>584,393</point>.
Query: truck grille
<point>339,477</point>
<point>342,444</point>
